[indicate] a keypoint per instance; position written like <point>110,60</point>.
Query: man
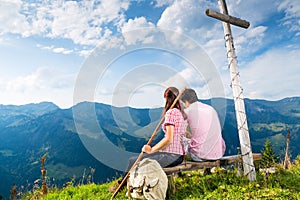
<point>206,142</point>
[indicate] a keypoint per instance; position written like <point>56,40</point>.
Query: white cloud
<point>11,20</point>
<point>68,21</point>
<point>257,31</point>
<point>42,78</point>
<point>80,22</point>
<point>253,11</point>
<point>160,3</point>
<point>246,44</point>
<point>181,79</point>
<point>56,49</point>
<point>45,84</point>
<point>85,53</point>
<point>84,23</point>
<point>251,40</point>
<point>134,24</point>
<point>140,97</point>
<point>3,39</point>
<point>272,75</point>
<point>132,85</point>
<point>183,16</point>
<point>62,50</point>
<point>110,11</point>
<point>291,9</point>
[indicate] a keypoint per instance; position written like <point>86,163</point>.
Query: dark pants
<point>164,159</point>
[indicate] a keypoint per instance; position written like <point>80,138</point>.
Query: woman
<point>169,151</point>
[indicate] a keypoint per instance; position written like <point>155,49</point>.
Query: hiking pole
<point>148,143</point>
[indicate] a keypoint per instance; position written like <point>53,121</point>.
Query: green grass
<point>284,184</point>
<point>226,185</point>
<point>90,191</point>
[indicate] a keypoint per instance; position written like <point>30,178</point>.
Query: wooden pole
<point>148,143</point>
<point>227,18</point>
<point>247,157</point>
<point>43,171</point>
<point>287,160</point>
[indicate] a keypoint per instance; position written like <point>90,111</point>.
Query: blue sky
<point>47,49</point>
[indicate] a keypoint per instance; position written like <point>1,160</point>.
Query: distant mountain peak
<point>291,99</point>
<point>35,109</point>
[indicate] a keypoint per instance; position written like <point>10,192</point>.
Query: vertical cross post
<point>246,150</point>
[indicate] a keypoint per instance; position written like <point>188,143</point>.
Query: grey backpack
<point>147,180</point>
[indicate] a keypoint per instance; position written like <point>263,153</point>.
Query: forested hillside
<point>29,131</point>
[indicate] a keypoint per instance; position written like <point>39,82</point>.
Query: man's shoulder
<point>204,105</point>
<point>200,107</point>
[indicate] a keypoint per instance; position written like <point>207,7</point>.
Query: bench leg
<point>171,186</point>
<point>206,171</point>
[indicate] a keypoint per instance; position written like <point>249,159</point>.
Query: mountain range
<point>78,140</point>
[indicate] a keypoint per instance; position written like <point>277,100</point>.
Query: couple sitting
<point>205,141</point>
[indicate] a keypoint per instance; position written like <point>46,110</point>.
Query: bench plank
<point>224,161</point>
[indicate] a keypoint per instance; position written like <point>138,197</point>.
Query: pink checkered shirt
<point>175,118</point>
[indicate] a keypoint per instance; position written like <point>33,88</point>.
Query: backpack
<point>147,180</point>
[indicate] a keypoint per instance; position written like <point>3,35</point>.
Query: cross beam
<point>227,18</point>
<point>247,157</point>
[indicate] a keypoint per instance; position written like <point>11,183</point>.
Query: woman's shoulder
<point>173,111</point>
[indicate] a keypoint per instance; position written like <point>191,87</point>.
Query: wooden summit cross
<point>247,158</point>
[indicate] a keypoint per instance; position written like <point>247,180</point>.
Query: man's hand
<point>147,149</point>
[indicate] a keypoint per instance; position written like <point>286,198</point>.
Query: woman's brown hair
<point>170,94</point>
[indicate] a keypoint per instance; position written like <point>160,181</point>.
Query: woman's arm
<point>166,141</point>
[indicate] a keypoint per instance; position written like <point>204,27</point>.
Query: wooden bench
<point>194,166</point>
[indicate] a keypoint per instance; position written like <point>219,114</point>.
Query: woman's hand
<point>188,134</point>
<point>166,141</point>
<point>147,149</point>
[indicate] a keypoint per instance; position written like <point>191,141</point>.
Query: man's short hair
<point>189,95</point>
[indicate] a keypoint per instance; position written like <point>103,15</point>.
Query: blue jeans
<point>193,156</point>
